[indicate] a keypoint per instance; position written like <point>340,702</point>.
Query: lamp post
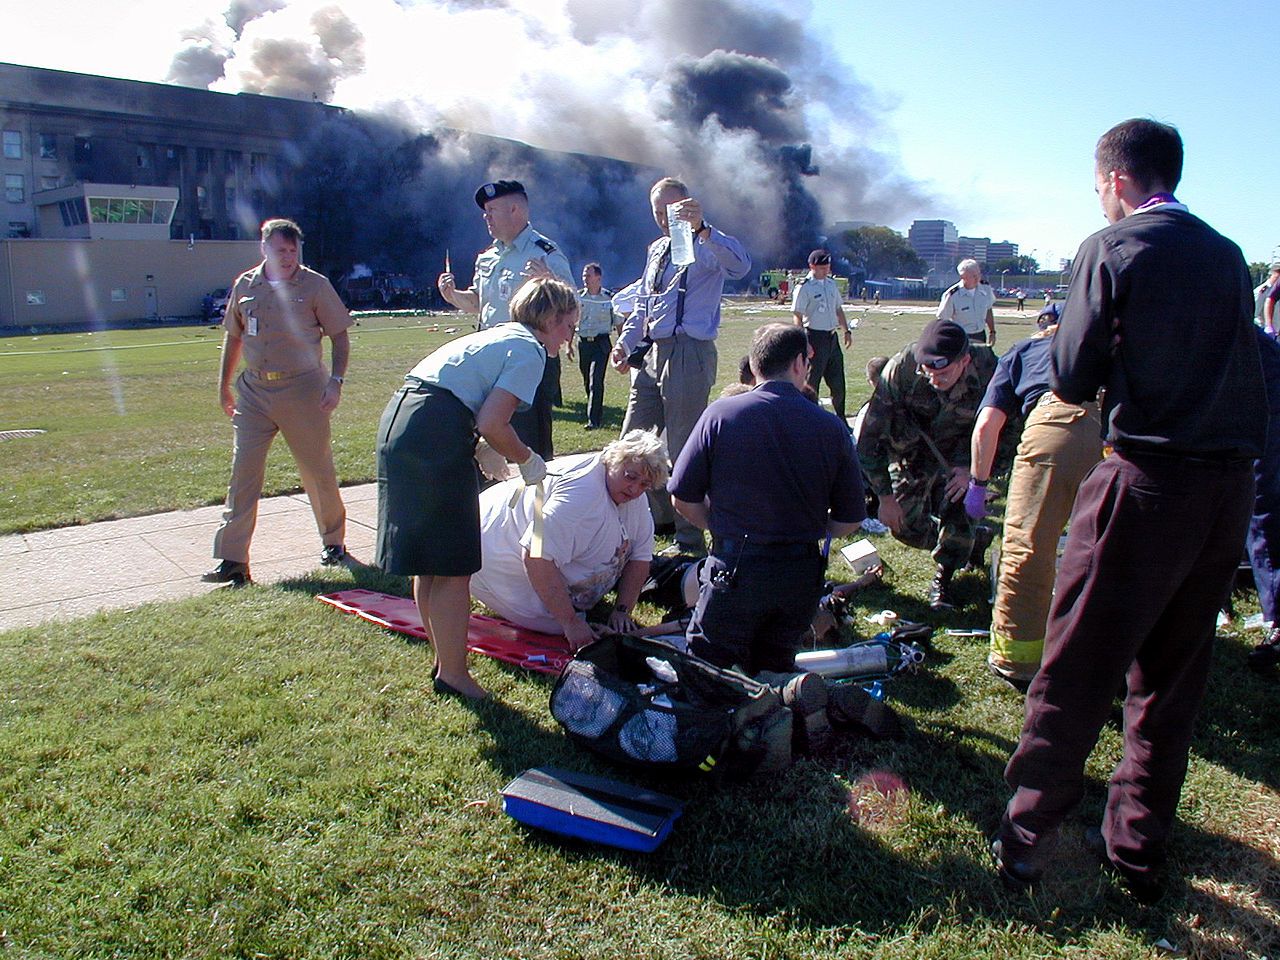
<point>1003,283</point>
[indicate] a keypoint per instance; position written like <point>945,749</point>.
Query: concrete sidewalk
<point>73,571</point>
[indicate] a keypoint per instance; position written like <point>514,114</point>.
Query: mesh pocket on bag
<point>649,735</point>
<point>582,704</point>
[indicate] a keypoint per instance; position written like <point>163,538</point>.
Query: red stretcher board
<point>543,652</point>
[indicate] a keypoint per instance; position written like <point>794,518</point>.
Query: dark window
<point>48,146</point>
<point>84,150</point>
<point>13,144</point>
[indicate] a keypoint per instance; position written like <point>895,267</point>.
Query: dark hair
<point>1150,152</point>
<point>745,374</point>
<point>594,268</point>
<point>285,228</point>
<point>775,347</point>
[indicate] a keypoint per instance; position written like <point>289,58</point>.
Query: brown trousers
<point>290,406</point>
<point>1060,444</point>
<point>1154,543</point>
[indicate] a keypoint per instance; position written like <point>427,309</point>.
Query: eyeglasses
<point>939,363</point>
<point>632,477</point>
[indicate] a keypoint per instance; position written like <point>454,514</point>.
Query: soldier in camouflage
<point>914,446</point>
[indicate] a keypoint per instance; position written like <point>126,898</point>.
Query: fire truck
<point>777,282</point>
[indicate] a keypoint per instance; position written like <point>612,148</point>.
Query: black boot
<point>983,534</point>
<point>1265,656</point>
<point>940,596</point>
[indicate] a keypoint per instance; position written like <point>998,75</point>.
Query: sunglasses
<point>939,363</point>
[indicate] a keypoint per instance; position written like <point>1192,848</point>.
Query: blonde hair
<point>642,447</point>
<point>540,301</point>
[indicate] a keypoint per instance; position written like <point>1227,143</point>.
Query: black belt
<point>779,549</point>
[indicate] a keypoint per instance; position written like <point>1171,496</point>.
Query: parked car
<point>216,303</point>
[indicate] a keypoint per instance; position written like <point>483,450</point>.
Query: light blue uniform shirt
<point>596,313</point>
<point>507,356</point>
<point>817,301</point>
<point>500,272</point>
<point>717,257</point>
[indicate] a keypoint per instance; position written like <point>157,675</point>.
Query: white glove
<point>492,464</point>
<point>533,469</point>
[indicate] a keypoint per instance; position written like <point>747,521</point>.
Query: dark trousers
<point>533,426</point>
<point>755,605</point>
<point>1154,543</point>
<point>1263,543</point>
<point>593,361</point>
<point>828,365</point>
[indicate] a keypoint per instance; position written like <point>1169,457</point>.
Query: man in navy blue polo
<point>770,474</point>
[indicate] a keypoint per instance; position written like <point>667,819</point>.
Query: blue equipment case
<point>591,808</point>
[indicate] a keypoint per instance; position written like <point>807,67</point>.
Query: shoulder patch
<point>954,287</point>
<point>544,244</point>
<point>607,292</point>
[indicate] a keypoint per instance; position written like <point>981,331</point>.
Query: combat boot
<point>940,595</point>
<point>983,534</point>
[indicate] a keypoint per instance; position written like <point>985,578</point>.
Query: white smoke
<point>709,90</point>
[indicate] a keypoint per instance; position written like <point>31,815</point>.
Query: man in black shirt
<point>1160,315</point>
<point>770,474</point>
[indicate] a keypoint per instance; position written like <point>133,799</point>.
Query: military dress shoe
<point>941,596</point>
<point>229,571</point>
<point>1017,877</point>
<point>1145,888</point>
<point>1265,656</point>
<point>333,555</point>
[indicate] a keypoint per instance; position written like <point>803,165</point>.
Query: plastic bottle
<point>681,238</point>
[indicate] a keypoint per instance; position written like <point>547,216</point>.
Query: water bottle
<point>681,238</point>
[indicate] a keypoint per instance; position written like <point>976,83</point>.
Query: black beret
<point>819,256</point>
<point>499,188</point>
<point>941,340</point>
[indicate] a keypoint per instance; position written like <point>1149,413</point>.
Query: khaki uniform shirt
<point>500,272</point>
<point>281,326</point>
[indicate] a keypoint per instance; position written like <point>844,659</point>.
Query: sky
<point>993,110</point>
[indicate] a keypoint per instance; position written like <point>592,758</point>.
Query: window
<point>19,229</point>
<point>35,298</point>
<point>15,187</point>
<point>232,162</point>
<point>48,146</point>
<point>202,201</point>
<point>49,183</point>
<point>84,150</point>
<point>98,209</point>
<point>13,145</point>
<point>118,295</point>
<point>163,211</point>
<point>144,158</point>
<point>204,159</point>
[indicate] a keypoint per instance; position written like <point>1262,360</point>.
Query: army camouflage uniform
<point>911,438</point>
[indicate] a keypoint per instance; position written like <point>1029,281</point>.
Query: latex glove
<point>975,500</point>
<point>492,464</point>
<point>533,469</point>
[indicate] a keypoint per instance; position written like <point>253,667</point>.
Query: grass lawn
<point>251,774</point>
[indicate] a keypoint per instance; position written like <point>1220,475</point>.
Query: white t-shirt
<point>585,534</point>
<point>967,307</point>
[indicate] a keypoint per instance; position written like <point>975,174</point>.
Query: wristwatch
<point>341,380</point>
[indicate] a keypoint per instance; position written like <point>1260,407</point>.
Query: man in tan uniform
<point>277,314</point>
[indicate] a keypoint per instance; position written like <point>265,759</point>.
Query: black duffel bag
<point>641,702</point>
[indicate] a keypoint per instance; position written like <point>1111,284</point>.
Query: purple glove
<point>975,500</point>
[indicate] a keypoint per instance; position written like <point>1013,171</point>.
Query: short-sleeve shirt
<point>1021,377</point>
<point>585,534</point>
<point>507,356</point>
<point>500,272</point>
<point>967,307</point>
<point>596,316</point>
<point>281,324</point>
<point>817,302</point>
<point>774,466</point>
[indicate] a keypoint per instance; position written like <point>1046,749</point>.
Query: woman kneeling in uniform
<point>428,491</point>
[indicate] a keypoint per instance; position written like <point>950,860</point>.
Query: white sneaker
<point>874,527</point>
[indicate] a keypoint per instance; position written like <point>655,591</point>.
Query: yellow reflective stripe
<point>539,495</point>
<point>706,765</point>
<point>1016,651</point>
